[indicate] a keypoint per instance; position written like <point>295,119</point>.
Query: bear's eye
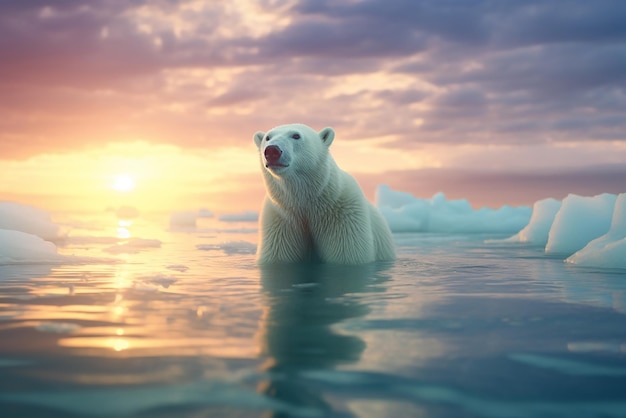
<point>267,138</point>
<point>295,136</point>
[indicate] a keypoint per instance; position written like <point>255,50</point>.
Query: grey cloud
<point>237,96</point>
<point>482,22</point>
<point>332,39</point>
<point>451,20</point>
<point>402,97</point>
<point>540,22</point>
<point>549,70</point>
<point>499,72</point>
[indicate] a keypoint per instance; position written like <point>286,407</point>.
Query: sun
<point>124,183</point>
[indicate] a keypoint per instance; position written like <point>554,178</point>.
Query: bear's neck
<point>298,191</point>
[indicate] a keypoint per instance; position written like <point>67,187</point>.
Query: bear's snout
<point>272,154</point>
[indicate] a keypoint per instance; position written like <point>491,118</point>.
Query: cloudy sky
<point>497,102</point>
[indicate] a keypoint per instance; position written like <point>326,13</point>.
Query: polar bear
<point>314,211</point>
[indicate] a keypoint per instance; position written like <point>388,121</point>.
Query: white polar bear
<point>314,211</point>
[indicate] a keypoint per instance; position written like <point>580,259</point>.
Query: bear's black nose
<point>272,154</point>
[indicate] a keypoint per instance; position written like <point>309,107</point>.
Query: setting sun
<point>124,183</point>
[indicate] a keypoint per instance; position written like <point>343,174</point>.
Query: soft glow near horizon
<point>124,183</point>
<point>228,179</point>
<point>148,177</point>
<point>159,115</point>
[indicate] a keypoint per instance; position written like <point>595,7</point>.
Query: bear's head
<point>293,149</point>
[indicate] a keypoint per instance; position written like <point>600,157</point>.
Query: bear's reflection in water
<point>303,302</point>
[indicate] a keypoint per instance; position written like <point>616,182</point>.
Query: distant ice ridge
<point>588,230</point>
<point>407,213</point>
<point>188,219</point>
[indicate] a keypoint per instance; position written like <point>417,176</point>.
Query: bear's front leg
<point>283,238</point>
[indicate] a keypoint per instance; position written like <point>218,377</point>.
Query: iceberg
<point>407,213</point>
<point>580,220</point>
<point>19,217</point>
<point>17,247</point>
<point>608,250</point>
<point>538,228</point>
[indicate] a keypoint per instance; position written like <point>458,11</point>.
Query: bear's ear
<point>258,138</point>
<point>327,135</point>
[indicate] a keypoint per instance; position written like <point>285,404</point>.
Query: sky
<point>496,102</point>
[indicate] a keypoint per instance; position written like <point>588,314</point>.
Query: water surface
<point>152,321</point>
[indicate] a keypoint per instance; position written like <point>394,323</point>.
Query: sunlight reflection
<point>118,310</point>
<point>180,345</point>
<point>123,233</point>
<point>121,282</point>
<point>119,344</point>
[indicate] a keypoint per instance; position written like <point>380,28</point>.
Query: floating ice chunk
<point>230,247</point>
<point>178,267</point>
<point>579,221</point>
<point>58,327</point>
<point>205,213</point>
<point>162,280</point>
<point>248,216</point>
<point>18,217</point>
<point>608,250</point>
<point>406,213</point>
<point>87,239</point>
<point>17,247</point>
<point>183,219</point>
<point>189,219</point>
<point>538,228</point>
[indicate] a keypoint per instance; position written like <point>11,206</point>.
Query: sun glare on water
<point>124,183</point>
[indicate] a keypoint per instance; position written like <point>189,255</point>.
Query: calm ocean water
<point>150,321</point>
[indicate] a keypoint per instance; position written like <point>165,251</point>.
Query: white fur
<point>314,211</point>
